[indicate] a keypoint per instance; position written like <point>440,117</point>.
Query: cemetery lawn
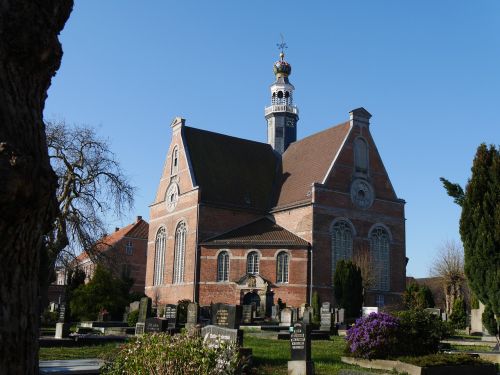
<point>271,356</point>
<point>106,351</point>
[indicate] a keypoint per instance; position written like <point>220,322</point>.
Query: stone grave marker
<point>139,328</point>
<point>326,317</point>
<point>214,335</point>
<point>225,315</point>
<point>170,314</point>
<point>192,315</point>
<point>275,312</point>
<point>367,310</point>
<point>156,325</point>
<point>144,309</point>
<point>247,314</point>
<point>433,311</point>
<point>286,317</point>
<point>300,350</point>
<point>62,325</point>
<point>134,305</point>
<point>307,315</point>
<point>339,316</point>
<point>295,314</point>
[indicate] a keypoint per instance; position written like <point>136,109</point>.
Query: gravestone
<point>326,317</point>
<point>126,314</point>
<point>192,315</point>
<point>295,314</point>
<point>275,312</point>
<point>170,314</point>
<point>134,305</point>
<point>144,309</point>
<point>139,328</point>
<point>62,326</point>
<point>156,325</point>
<point>339,316</point>
<point>225,315</point>
<point>247,312</point>
<point>367,310</point>
<point>307,315</point>
<point>433,311</point>
<point>300,350</point>
<point>214,335</point>
<point>286,317</point>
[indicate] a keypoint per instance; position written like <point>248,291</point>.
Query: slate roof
<point>138,229</point>
<point>307,161</point>
<point>230,170</point>
<point>262,232</point>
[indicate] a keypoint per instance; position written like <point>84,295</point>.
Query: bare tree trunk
<point>30,54</point>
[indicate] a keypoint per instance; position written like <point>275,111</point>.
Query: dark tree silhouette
<point>30,54</point>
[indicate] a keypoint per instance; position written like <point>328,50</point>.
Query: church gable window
<point>159,264</point>
<point>174,168</point>
<point>282,262</point>
<point>379,243</point>
<point>253,263</point>
<point>341,243</point>
<point>223,266</point>
<point>361,155</point>
<point>179,253</point>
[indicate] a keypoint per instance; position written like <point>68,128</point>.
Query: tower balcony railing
<point>281,108</point>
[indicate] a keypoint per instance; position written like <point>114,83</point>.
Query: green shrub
<point>49,318</point>
<point>458,316</point>
<point>348,288</point>
<point>316,308</point>
<point>420,332</point>
<point>162,354</point>
<point>133,317</point>
<point>417,296</point>
<point>489,321</point>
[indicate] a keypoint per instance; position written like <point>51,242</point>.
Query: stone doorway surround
<point>256,285</point>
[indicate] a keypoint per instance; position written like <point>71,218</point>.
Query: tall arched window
<point>282,262</point>
<point>341,243</point>
<point>159,265</point>
<point>379,243</point>
<point>175,161</point>
<point>253,263</point>
<point>180,252</point>
<point>223,266</point>
<point>361,155</point>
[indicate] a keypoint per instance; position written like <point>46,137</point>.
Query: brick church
<point>240,222</point>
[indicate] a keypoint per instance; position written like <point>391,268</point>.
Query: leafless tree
<point>30,54</point>
<point>91,184</point>
<point>449,266</point>
<point>362,258</point>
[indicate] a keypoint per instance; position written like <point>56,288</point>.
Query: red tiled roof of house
<point>262,232</point>
<point>307,161</point>
<point>138,229</point>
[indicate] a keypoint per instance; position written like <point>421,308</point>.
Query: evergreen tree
<point>348,287</point>
<point>489,321</point>
<point>316,308</point>
<point>417,297</point>
<point>480,225</point>
<point>458,316</point>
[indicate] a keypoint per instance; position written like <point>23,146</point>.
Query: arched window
<point>253,263</point>
<point>379,243</point>
<point>361,155</point>
<point>179,253</point>
<point>282,262</point>
<point>223,266</point>
<point>341,243</point>
<point>174,168</point>
<point>159,265</point>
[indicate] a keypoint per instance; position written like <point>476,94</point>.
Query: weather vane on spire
<point>282,46</point>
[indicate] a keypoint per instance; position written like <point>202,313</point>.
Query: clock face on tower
<point>172,196</point>
<point>361,193</point>
<point>290,123</point>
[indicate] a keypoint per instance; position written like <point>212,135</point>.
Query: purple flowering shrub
<point>373,336</point>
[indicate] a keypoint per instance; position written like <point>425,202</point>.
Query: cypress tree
<point>458,316</point>
<point>480,225</point>
<point>348,287</point>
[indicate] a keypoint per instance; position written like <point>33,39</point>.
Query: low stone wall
<point>379,364</point>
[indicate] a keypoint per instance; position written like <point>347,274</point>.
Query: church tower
<point>281,115</point>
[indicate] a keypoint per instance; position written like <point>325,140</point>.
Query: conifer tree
<point>458,316</point>
<point>480,225</point>
<point>348,287</point>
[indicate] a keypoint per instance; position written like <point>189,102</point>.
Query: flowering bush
<point>373,336</point>
<point>182,354</point>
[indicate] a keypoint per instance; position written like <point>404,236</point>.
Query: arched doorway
<point>252,298</point>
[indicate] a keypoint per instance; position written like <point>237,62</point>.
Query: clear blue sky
<point>428,71</point>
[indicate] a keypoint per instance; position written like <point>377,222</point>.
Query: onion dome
<point>281,67</point>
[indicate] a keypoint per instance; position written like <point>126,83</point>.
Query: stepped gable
<point>231,171</point>
<point>308,161</point>
<point>262,232</point>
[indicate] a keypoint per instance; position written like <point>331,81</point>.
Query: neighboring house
<point>242,222</point>
<point>123,251</point>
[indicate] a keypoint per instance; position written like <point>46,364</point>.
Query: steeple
<point>281,115</point>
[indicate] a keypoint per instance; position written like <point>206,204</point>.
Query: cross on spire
<point>282,46</point>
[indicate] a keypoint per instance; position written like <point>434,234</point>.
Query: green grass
<point>95,351</point>
<point>442,360</point>
<point>471,348</point>
<point>271,356</point>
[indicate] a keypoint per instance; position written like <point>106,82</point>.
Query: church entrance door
<point>251,298</point>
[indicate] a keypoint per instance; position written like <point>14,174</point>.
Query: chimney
<point>139,218</point>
